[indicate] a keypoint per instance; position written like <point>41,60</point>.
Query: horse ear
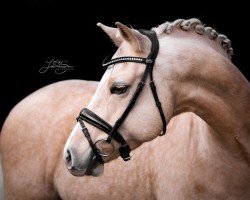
<point>136,39</point>
<point>112,33</point>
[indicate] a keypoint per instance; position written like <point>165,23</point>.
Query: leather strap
<point>158,104</point>
<point>123,59</point>
<point>87,135</point>
<point>153,54</point>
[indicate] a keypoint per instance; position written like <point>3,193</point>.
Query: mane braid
<point>199,28</point>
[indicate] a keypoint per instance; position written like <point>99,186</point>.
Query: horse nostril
<point>68,158</point>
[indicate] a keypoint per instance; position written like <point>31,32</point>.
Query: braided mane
<point>199,28</point>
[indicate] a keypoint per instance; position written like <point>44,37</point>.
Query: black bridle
<point>93,119</point>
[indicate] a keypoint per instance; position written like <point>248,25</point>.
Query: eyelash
<point>119,89</point>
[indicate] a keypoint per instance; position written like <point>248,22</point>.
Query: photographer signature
<point>59,66</point>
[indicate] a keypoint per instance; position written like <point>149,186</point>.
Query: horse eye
<point>118,88</point>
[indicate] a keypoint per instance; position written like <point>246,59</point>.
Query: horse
<point>188,69</point>
<point>176,166</point>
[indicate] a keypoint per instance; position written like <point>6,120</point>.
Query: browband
<point>126,59</point>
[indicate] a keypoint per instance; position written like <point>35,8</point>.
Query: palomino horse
<point>192,161</point>
<point>192,73</point>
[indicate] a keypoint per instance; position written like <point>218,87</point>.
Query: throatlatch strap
<point>158,104</point>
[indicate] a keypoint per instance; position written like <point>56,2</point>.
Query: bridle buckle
<point>127,158</point>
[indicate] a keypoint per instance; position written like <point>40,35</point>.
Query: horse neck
<point>214,89</point>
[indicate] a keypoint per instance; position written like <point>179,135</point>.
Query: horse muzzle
<point>88,166</point>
